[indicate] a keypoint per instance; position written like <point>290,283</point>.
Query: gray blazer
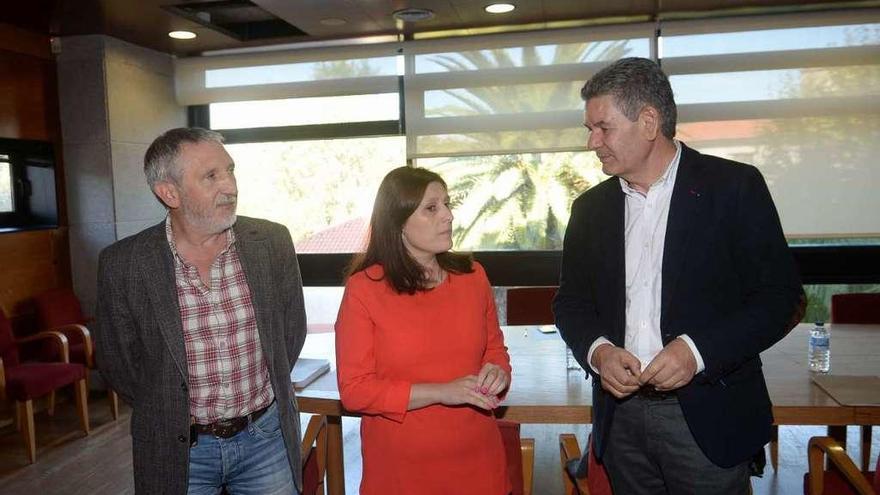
<point>140,349</point>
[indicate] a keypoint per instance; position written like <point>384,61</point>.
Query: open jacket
<point>140,345</point>
<point>728,281</point>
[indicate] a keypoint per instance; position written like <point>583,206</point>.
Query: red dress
<point>385,342</point>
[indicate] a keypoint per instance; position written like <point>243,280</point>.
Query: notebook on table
<point>306,370</point>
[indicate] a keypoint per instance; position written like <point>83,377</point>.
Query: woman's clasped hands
<point>481,390</point>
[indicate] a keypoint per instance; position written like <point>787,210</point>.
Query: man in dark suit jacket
<point>200,320</point>
<point>675,276</point>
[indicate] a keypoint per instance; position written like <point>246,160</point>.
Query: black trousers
<point>652,451</point>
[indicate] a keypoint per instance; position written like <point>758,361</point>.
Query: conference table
<point>543,391</point>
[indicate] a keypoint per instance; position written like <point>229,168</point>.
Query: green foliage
<point>338,69</point>
<point>517,201</point>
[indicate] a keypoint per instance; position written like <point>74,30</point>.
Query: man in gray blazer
<point>200,320</point>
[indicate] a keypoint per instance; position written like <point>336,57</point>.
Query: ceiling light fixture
<point>413,14</point>
<point>182,35</point>
<point>500,8</point>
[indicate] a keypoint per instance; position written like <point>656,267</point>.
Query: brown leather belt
<point>226,428</point>
<point>649,392</point>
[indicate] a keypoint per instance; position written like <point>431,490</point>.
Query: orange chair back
<point>855,308</point>
<point>8,349</point>
<point>57,307</point>
<point>511,439</point>
<point>530,305</point>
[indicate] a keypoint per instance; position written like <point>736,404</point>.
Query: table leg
<point>838,433</point>
<point>335,461</point>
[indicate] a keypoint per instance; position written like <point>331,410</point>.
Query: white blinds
<point>333,71</point>
<point>507,93</point>
<point>798,96</point>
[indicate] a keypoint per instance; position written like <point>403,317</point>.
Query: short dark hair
<point>399,195</point>
<point>160,161</point>
<point>634,83</point>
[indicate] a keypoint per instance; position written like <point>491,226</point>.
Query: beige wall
<point>115,98</point>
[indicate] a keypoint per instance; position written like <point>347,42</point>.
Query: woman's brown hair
<point>399,195</point>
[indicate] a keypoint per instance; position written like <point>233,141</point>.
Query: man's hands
<point>672,368</point>
<point>618,368</point>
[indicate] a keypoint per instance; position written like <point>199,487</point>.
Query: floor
<point>69,463</point>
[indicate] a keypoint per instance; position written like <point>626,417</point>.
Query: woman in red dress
<point>419,352</point>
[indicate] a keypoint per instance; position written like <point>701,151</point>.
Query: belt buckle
<point>225,428</point>
<point>649,392</point>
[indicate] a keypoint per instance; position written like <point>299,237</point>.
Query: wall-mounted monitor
<point>27,185</point>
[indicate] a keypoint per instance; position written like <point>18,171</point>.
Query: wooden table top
<point>544,391</point>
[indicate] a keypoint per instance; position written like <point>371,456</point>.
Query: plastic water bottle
<point>820,349</point>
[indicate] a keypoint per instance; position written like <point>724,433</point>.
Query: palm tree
<point>517,201</point>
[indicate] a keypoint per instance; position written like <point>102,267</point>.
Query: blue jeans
<point>253,462</point>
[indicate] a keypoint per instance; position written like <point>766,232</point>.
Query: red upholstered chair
<point>845,480</point>
<point>520,454</point>
<point>23,382</point>
<point>530,305</point>
<point>59,310</point>
<point>858,308</point>
<point>596,480</point>
<point>855,308</point>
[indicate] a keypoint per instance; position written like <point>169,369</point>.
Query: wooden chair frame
<point>24,416</point>
<point>821,447</point>
<point>83,331</point>
<point>316,435</point>
<point>568,451</point>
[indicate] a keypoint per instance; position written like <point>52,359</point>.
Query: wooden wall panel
<point>30,261</point>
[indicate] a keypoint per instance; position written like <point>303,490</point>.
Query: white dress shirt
<point>645,217</point>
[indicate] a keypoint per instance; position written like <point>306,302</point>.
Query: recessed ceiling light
<point>333,21</point>
<point>499,8</point>
<point>182,35</point>
<point>413,14</point>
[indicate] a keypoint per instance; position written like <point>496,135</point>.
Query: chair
<point>530,305</point>
<point>314,455</point>
<point>593,482</point>
<point>855,308</point>
<point>23,382</point>
<point>845,480</point>
<point>59,310</point>
<point>520,454</point>
<point>858,308</point>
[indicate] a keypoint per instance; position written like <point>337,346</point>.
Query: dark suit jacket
<point>729,282</point>
<point>141,353</point>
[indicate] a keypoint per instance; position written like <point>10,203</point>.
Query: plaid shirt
<point>228,376</point>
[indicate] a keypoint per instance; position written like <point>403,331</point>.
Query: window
<point>500,118</point>
<point>6,204</point>
<point>799,102</point>
<point>27,185</point>
<point>308,71</point>
<point>304,111</point>
<point>321,190</point>
<point>516,201</point>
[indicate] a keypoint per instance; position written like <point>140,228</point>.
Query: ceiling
<point>228,24</point>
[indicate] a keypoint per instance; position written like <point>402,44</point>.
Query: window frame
<point>818,264</point>
<point>21,217</point>
<point>825,264</point>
